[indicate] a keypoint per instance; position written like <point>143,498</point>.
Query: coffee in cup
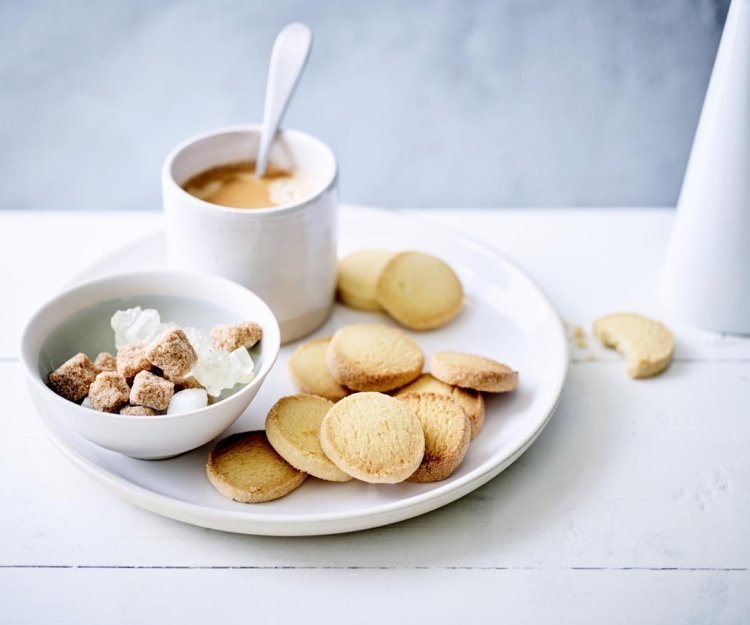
<point>235,185</point>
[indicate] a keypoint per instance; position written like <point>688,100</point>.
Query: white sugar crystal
<point>86,403</point>
<point>217,369</point>
<point>200,340</point>
<point>135,325</point>
<point>188,400</point>
<point>242,365</point>
<point>213,371</point>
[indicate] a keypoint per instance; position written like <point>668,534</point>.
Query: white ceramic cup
<point>286,254</point>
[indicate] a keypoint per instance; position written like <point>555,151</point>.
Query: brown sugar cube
<point>138,411</point>
<point>131,360</point>
<point>151,391</point>
<point>231,337</point>
<point>72,379</point>
<point>172,352</point>
<point>105,362</point>
<point>109,392</point>
<point>180,384</point>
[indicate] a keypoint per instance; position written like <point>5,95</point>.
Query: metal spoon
<point>288,58</point>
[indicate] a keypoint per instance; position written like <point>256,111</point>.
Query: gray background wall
<point>427,103</point>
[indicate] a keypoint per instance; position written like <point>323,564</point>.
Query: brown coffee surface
<point>234,185</point>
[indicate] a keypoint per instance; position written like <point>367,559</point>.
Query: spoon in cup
<point>288,59</point>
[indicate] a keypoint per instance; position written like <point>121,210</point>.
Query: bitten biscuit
<point>293,429</point>
<point>357,278</point>
<point>447,433</point>
<point>245,467</point>
<point>420,291</point>
<point>471,401</point>
<point>373,437</point>
<point>310,373</point>
<point>373,357</point>
<point>646,344</point>
<point>475,372</point>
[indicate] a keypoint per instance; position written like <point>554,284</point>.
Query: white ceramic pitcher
<point>707,271</point>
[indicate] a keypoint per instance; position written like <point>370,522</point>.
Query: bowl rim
<point>29,356</point>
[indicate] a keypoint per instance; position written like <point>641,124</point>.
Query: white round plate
<point>506,317</point>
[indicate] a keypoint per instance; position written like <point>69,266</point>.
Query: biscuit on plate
<point>447,433</point>
<point>471,401</point>
<point>373,357</point>
<point>245,467</point>
<point>310,373</point>
<point>475,372</point>
<point>646,344</point>
<point>293,429</point>
<point>357,278</point>
<point>420,291</point>
<point>373,437</point>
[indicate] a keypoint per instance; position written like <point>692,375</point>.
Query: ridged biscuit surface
<point>471,401</point>
<point>373,357</point>
<point>646,344</point>
<point>373,437</point>
<point>310,373</point>
<point>447,433</point>
<point>420,291</point>
<point>245,467</point>
<point>293,429</point>
<point>475,372</point>
<point>357,278</point>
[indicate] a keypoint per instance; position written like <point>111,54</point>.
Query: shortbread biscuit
<point>447,433</point>
<point>357,278</point>
<point>293,429</point>
<point>420,291</point>
<point>475,372</point>
<point>471,401</point>
<point>310,373</point>
<point>373,437</point>
<point>245,467</point>
<point>646,344</point>
<point>373,357</point>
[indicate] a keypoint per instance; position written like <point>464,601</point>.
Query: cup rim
<point>29,353</point>
<point>168,180</point>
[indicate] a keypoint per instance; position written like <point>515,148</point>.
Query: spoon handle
<point>288,59</point>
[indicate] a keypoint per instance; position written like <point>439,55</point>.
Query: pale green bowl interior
<point>89,331</point>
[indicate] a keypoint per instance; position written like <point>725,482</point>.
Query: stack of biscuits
<point>365,409</point>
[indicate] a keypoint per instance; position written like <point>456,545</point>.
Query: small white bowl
<point>77,320</point>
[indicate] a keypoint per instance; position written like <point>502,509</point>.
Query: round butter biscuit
<point>475,372</point>
<point>245,467</point>
<point>447,433</point>
<point>357,278</point>
<point>373,437</point>
<point>420,291</point>
<point>471,401</point>
<point>309,371</point>
<point>373,357</point>
<point>293,429</point>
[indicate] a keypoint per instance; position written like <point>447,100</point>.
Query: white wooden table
<point>632,507</point>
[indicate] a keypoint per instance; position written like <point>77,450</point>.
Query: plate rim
<point>322,523</point>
